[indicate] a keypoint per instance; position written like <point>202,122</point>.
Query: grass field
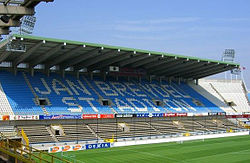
<point>230,149</point>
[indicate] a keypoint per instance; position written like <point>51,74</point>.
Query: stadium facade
<point>58,92</point>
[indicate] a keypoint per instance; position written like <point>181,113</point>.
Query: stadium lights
<point>5,19</point>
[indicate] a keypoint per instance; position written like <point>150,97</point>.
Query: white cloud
<point>163,20</point>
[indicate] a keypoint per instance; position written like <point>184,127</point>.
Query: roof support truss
<point>45,56</point>
<point>63,57</point>
<point>93,60</point>
<point>80,58</point>
<point>25,55</point>
<point>172,69</point>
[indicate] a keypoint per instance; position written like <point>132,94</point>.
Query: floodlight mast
<point>11,11</point>
<point>229,56</point>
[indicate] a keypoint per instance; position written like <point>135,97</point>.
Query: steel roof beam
<point>94,60</point>
<point>63,57</point>
<point>172,69</point>
<point>45,56</point>
<point>80,58</point>
<point>25,55</point>
<point>16,10</point>
<point>192,67</point>
<point>165,65</point>
<point>111,61</point>
<point>132,60</point>
<point>144,61</point>
<point>155,63</point>
<point>4,55</point>
<point>198,72</point>
<point>197,69</point>
<point>212,72</point>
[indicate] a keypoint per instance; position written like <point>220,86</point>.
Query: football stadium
<point>71,101</point>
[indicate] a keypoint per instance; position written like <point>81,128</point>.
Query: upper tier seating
<point>70,95</point>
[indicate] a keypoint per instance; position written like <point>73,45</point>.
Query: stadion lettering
<point>75,97</point>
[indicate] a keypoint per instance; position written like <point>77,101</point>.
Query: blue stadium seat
<point>70,95</point>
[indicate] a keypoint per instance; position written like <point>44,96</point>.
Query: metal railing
<point>25,153</point>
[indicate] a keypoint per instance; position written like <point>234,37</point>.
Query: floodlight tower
<point>228,56</point>
<point>11,11</point>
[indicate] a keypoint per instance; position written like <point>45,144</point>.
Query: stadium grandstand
<point>60,95</point>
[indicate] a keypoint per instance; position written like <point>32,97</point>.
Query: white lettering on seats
<point>89,101</point>
<point>120,88</point>
<point>135,90</point>
<point>105,88</point>
<point>150,104</point>
<point>75,87</point>
<point>171,92</point>
<point>69,101</point>
<point>132,101</point>
<point>124,105</point>
<point>48,90</point>
<point>167,102</point>
<point>56,82</point>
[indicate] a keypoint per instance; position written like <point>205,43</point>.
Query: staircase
<point>93,132</point>
<point>225,101</point>
<point>153,127</point>
<point>51,134</point>
<point>34,93</point>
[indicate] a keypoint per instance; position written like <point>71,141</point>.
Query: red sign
<point>89,116</point>
<point>107,116</point>
<point>181,114</point>
<point>170,114</point>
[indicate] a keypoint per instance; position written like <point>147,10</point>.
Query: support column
<point>197,81</point>
<point>14,69</point>
<point>170,80</point>
<point>32,71</point>
<point>77,74</point>
<point>63,73</point>
<point>47,72</point>
<point>91,75</point>
<point>104,76</point>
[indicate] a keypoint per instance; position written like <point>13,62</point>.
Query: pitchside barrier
<point>159,139</point>
<point>110,116</point>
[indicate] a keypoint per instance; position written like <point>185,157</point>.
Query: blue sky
<point>187,27</point>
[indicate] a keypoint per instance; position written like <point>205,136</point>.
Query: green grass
<point>230,149</point>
